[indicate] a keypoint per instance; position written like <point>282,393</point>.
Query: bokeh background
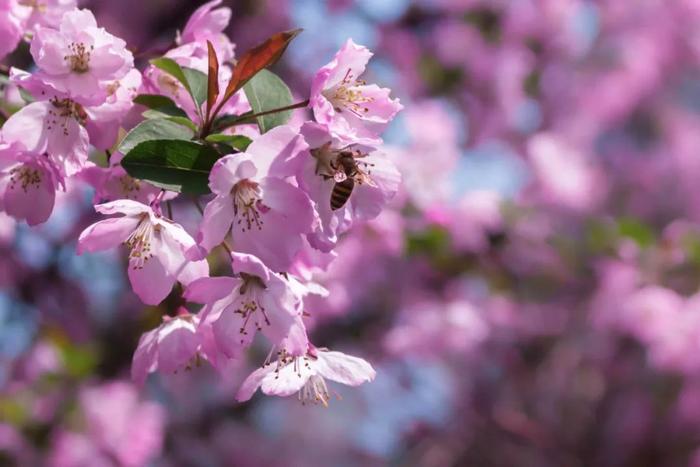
<point>529,299</point>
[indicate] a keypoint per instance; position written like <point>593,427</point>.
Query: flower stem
<point>250,118</point>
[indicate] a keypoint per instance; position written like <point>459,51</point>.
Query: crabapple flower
<point>113,183</point>
<point>10,28</point>
<point>267,215</point>
<point>168,348</point>
<point>256,300</point>
<point>157,248</point>
<point>118,429</point>
<point>28,184</point>
<point>307,375</point>
<point>37,13</point>
<point>80,58</point>
<point>350,108</point>
<point>104,121</point>
<point>208,23</point>
<point>53,127</point>
<point>346,183</point>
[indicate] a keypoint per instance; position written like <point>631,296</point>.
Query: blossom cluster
<point>279,193</point>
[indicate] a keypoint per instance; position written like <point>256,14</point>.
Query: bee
<point>343,169</point>
<point>346,171</point>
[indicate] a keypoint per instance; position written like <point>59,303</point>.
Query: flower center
<point>40,7</point>
<point>140,243</point>
<point>130,186</point>
<point>251,311</point>
<point>347,95</point>
<point>79,57</point>
<point>247,204</point>
<point>65,109</point>
<point>315,391</point>
<point>26,177</point>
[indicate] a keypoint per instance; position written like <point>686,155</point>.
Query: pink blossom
<point>104,121</point>
<point>10,28</point>
<point>28,184</point>
<point>113,183</point>
<point>168,348</point>
<point>306,375</point>
<point>208,23</point>
<point>129,429</point>
<point>37,13</point>
<point>257,300</point>
<point>53,127</point>
<point>375,181</point>
<point>157,248</point>
<point>267,215</point>
<point>80,58</point>
<point>351,109</point>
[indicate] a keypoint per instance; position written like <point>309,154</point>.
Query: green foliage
<point>641,233</point>
<point>195,82</point>
<point>181,166</point>
<point>152,129</point>
<point>238,142</point>
<point>266,91</point>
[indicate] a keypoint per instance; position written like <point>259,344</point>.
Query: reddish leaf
<point>257,58</point>
<point>212,79</point>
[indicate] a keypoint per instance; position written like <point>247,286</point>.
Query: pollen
<point>140,243</point>
<point>347,95</point>
<point>247,205</point>
<point>79,57</point>
<point>25,177</point>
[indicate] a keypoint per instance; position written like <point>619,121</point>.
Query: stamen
<point>26,176</point>
<point>79,58</point>
<point>251,310</point>
<point>346,95</point>
<point>247,205</point>
<point>140,243</point>
<point>130,186</point>
<point>65,109</point>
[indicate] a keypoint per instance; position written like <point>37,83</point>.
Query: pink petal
<point>123,206</point>
<point>106,234</point>
<point>216,222</point>
<point>288,380</point>
<point>177,345</point>
<point>230,170</point>
<point>151,283</point>
<point>345,369</point>
<point>277,152</point>
<point>249,264</point>
<point>33,203</point>
<point>144,360</point>
<point>210,289</point>
<point>227,332</point>
<point>252,383</point>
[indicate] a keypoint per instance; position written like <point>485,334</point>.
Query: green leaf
<point>198,84</point>
<point>154,101</point>
<point>159,106</point>
<point>266,91</point>
<point>159,128</point>
<point>239,142</point>
<point>195,82</point>
<point>165,112</point>
<point>181,166</point>
<point>636,230</point>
